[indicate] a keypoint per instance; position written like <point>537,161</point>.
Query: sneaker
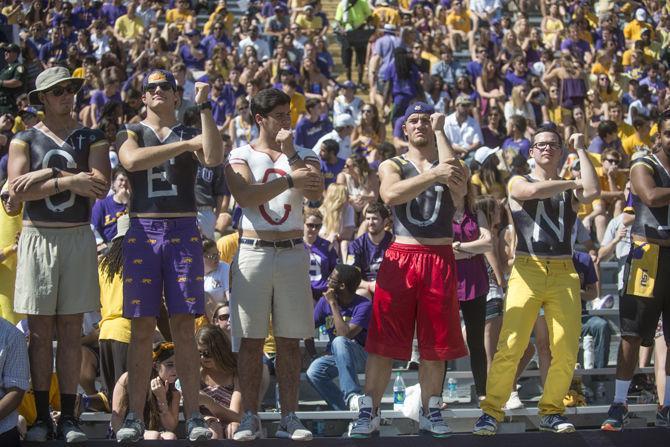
<point>41,431</point>
<point>197,428</point>
<point>353,402</point>
<point>69,431</point>
<point>556,423</point>
<point>617,416</point>
<point>663,417</point>
<point>486,425</point>
<point>513,403</point>
<point>367,424</point>
<point>291,427</point>
<point>249,429</point>
<point>433,423</point>
<point>132,429</point>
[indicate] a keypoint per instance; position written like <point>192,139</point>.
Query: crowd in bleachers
<point>498,70</point>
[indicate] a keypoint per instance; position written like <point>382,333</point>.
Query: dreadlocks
<point>111,263</point>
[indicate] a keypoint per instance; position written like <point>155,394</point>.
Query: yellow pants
<point>534,283</point>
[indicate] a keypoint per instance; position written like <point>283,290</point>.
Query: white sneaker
<point>353,402</point>
<point>291,427</point>
<point>514,403</point>
<point>433,423</point>
<point>367,423</point>
<point>249,429</point>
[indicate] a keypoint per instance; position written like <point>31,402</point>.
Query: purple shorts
<point>163,257</point>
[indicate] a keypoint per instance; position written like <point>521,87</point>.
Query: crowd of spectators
<point>497,69</point>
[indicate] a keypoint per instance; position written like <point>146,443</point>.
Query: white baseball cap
<point>483,153</point>
<point>343,120</point>
<point>641,14</point>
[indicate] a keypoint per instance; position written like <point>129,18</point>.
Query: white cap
<point>343,120</point>
<point>483,153</point>
<point>640,14</point>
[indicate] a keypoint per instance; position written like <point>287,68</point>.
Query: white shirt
<point>485,6</point>
<point>282,213</point>
<point>621,249</point>
<point>465,134</point>
<point>261,46</point>
<point>216,282</point>
<point>353,108</point>
<point>641,110</point>
<point>345,144</point>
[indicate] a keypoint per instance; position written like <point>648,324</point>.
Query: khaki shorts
<point>267,279</point>
<point>57,271</point>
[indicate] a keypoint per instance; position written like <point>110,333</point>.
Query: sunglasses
<point>205,354</point>
<point>613,161</point>
<point>312,226</point>
<point>164,86</point>
<point>60,90</point>
<point>223,317</point>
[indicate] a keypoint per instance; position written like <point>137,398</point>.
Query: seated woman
<point>220,398</point>
<point>161,410</point>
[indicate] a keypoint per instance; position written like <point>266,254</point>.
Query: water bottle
<point>277,401</point>
<point>323,333</point>
<point>452,384</point>
<point>398,392</point>
<point>587,344</point>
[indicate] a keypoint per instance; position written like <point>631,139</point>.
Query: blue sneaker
<point>617,417</point>
<point>486,425</point>
<point>556,423</point>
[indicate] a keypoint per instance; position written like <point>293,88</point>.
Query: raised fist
<point>201,92</point>
<point>437,121</point>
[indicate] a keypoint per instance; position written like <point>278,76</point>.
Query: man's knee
<point>339,344</point>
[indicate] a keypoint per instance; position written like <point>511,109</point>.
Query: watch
<point>205,106</point>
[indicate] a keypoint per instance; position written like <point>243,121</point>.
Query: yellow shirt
<point>298,107</point>
<point>227,21</point>
<point>459,22</point>
<point>129,28</point>
<point>635,143</point>
<point>633,30</point>
<point>227,246</point>
<point>647,56</point>
<point>179,18</point>
<point>624,130</point>
<point>9,226</point>
<point>112,325</point>
<point>497,190</point>
<point>384,14</point>
<point>304,22</point>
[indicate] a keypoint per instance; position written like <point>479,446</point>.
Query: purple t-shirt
<point>330,171</point>
<point>110,12</point>
<point>190,60</point>
<point>512,80</point>
<point>473,280</point>
<point>586,270</point>
<point>577,47</point>
<point>358,313</point>
<point>367,256</point>
<point>522,146</point>
<point>402,88</point>
<point>99,98</point>
<point>308,133</point>
<point>322,261</point>
<point>384,48</point>
<point>104,215</point>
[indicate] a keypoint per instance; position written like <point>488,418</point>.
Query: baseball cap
<point>640,14</point>
<point>349,84</point>
<point>463,99</point>
<point>418,107</point>
<point>389,28</point>
<point>483,153</point>
<point>343,120</point>
<point>157,76</point>
<point>12,48</point>
<point>193,32</point>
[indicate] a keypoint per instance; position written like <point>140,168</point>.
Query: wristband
<point>205,106</point>
<point>293,158</point>
<point>289,180</point>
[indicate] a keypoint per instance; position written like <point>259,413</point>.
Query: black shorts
<point>640,315</point>
<point>113,362</point>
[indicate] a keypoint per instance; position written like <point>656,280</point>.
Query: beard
<point>420,142</point>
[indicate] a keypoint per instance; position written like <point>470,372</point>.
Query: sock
<point>67,402</point>
<point>621,391</point>
<point>666,398</point>
<point>42,405</point>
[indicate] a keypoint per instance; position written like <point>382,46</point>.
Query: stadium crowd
<point>187,193</point>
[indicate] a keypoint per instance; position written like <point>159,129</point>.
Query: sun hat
<point>49,78</point>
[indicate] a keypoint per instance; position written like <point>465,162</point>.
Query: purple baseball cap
<point>158,76</point>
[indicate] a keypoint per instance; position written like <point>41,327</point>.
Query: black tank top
<point>427,216</point>
<point>544,227</point>
<point>72,156</point>
<point>169,187</point>
<point>652,223</point>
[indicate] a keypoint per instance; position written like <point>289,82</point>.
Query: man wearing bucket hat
<point>163,247</point>
<point>56,168</point>
<point>417,187</point>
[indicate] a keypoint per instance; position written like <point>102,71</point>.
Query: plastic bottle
<point>587,344</point>
<point>452,385</point>
<point>398,392</point>
<point>323,333</point>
